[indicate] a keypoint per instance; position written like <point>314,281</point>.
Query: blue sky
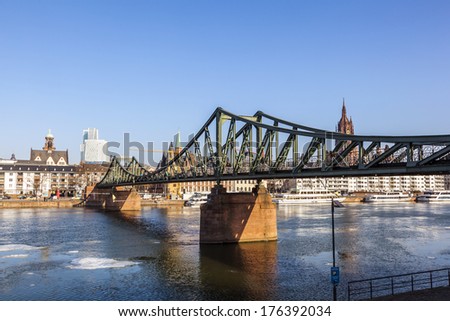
<point>152,68</point>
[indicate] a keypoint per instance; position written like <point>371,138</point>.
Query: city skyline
<point>95,150</point>
<point>152,69</point>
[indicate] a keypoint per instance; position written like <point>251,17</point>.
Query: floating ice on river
<point>17,247</point>
<point>92,263</point>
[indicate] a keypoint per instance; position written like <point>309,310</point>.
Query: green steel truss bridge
<point>232,147</point>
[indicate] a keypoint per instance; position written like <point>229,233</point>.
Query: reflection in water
<point>242,271</point>
<point>349,233</point>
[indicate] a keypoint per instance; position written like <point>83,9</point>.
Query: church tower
<point>345,126</point>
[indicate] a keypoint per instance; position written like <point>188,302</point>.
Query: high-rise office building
<point>93,150</point>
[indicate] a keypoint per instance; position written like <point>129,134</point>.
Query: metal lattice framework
<point>261,146</point>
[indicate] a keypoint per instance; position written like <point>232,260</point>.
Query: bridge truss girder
<point>265,147</point>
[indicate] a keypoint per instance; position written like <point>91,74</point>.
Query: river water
<point>81,254</point>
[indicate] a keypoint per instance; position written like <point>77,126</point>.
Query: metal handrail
<point>395,284</point>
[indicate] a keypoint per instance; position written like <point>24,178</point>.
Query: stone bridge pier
<point>113,199</point>
<point>238,217</point>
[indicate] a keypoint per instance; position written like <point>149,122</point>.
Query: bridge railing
<point>402,283</point>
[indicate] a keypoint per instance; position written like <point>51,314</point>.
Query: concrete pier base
<point>116,199</point>
<point>123,200</point>
<point>238,217</point>
<point>96,197</point>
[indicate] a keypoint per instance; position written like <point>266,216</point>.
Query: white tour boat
<point>196,200</point>
<point>432,197</point>
<point>307,197</point>
<point>392,197</point>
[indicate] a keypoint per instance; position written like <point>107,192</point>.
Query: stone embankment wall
<point>38,203</point>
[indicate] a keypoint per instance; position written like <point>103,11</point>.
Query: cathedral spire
<point>344,110</point>
<point>345,125</point>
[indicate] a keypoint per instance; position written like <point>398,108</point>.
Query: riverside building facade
<point>46,173</point>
